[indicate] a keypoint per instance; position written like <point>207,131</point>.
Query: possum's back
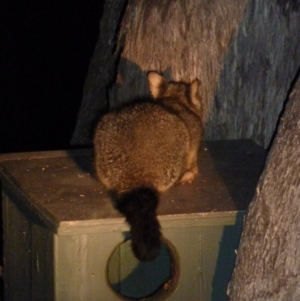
<point>142,144</point>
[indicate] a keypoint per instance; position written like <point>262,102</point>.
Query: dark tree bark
<point>268,261</point>
<point>183,39</point>
<point>244,52</point>
<point>257,73</point>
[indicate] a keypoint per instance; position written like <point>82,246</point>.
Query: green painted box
<point>63,238</point>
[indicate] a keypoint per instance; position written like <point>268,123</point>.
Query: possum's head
<point>185,93</point>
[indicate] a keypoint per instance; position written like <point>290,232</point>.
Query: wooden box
<point>61,232</point>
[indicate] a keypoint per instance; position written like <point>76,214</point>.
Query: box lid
<point>60,187</point>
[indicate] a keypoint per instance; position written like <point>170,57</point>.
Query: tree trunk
<point>268,261</point>
<point>183,39</point>
<point>257,73</point>
<point>244,52</point>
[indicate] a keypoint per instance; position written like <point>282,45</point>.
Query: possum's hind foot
<point>188,176</point>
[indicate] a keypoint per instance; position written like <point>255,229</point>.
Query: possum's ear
<point>157,84</point>
<point>195,93</point>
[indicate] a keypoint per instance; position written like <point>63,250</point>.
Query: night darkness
<point>45,51</point>
<point>46,47</point>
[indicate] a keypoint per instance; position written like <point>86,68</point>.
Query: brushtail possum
<point>145,148</point>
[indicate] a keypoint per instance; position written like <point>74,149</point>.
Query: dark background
<point>45,51</point>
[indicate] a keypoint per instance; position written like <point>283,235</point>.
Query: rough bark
<point>238,49</point>
<point>100,74</point>
<point>260,65</point>
<point>183,39</point>
<point>244,52</point>
<point>268,261</point>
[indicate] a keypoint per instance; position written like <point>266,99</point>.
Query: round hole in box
<point>134,280</point>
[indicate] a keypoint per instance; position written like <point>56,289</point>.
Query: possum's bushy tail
<point>139,207</point>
